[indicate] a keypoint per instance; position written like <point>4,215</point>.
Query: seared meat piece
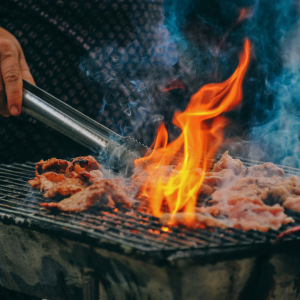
<point>264,170</point>
<point>94,176</point>
<point>54,165</point>
<point>85,163</point>
<point>49,179</point>
<point>65,181</point>
<point>250,216</point>
<point>227,162</point>
<point>107,193</point>
<point>78,164</point>
<point>35,183</point>
<point>67,187</point>
<point>292,203</point>
<point>46,181</point>
<point>220,179</point>
<point>286,188</point>
<point>243,204</point>
<point>57,184</point>
<point>288,193</point>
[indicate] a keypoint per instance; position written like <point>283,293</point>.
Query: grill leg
<point>90,286</point>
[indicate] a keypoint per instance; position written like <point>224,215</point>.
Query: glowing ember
<point>202,127</point>
<point>163,228</point>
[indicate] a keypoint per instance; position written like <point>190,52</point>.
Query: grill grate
<point>137,231</point>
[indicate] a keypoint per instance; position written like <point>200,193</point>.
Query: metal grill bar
<point>136,230</point>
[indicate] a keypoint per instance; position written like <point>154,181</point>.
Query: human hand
<point>13,68</point>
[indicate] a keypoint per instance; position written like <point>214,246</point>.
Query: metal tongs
<point>119,151</point>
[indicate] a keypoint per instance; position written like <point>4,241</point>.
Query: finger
<point>25,69</point>
<point>4,111</point>
<point>11,75</point>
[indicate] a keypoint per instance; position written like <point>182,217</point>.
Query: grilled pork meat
<point>292,203</point>
<point>108,192</point>
<point>94,176</point>
<point>69,178</point>
<point>219,179</point>
<point>57,184</point>
<point>78,164</point>
<point>242,203</point>
<point>227,162</point>
<point>264,170</point>
<point>82,180</point>
<point>240,196</point>
<point>250,216</point>
<point>54,165</point>
<point>85,163</point>
<point>244,200</point>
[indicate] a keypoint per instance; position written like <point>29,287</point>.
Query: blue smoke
<point>279,139</point>
<point>274,135</point>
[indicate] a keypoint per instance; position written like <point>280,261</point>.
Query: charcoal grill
<point>120,255</point>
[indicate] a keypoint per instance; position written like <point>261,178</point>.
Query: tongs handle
<point>65,119</point>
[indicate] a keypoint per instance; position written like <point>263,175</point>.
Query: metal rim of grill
<point>138,232</point>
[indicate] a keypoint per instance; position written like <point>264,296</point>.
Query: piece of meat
<point>35,183</point>
<point>195,220</point>
<point>107,193</point>
<point>205,189</point>
<point>292,203</point>
<point>49,180</point>
<point>67,187</point>
<point>250,188</point>
<point>245,188</point>
<point>94,176</point>
<point>46,180</point>
<point>227,162</point>
<point>220,179</point>
<point>250,216</point>
<point>57,184</point>
<point>69,179</point>
<point>85,163</point>
<point>78,164</point>
<point>242,203</point>
<point>264,170</point>
<point>285,189</point>
<point>54,165</point>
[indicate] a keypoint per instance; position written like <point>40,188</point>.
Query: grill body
<point>63,256</point>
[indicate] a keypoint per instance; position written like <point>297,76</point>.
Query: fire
<point>202,127</point>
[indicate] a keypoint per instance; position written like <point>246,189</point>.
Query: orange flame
<point>202,133</point>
